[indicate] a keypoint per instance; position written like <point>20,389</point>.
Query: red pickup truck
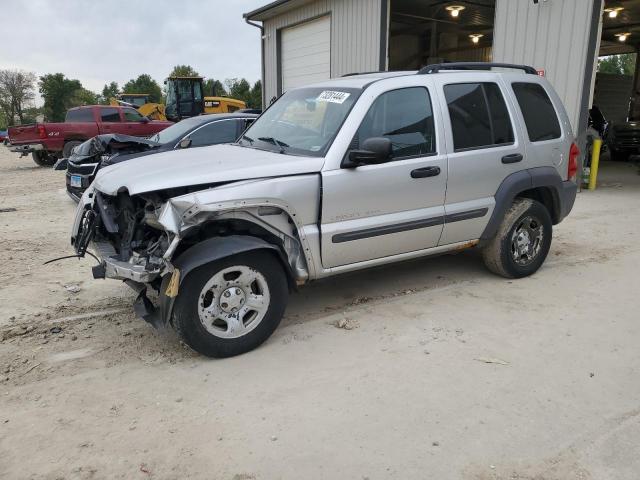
<point>49,141</point>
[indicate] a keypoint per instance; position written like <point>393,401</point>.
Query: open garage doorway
<point>422,32</point>
<point>615,111</point>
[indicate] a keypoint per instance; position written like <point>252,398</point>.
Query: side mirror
<point>185,143</point>
<point>373,151</point>
<point>145,120</point>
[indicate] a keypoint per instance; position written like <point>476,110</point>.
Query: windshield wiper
<point>277,143</point>
<point>247,138</point>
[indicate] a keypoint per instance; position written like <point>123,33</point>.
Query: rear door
<point>110,120</point>
<point>376,211</point>
<point>484,148</point>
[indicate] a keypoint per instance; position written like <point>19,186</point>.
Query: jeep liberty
<point>346,174</point>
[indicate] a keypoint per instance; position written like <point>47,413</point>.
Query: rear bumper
<point>26,149</point>
<point>567,194</point>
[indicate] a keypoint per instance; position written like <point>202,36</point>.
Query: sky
<point>99,41</point>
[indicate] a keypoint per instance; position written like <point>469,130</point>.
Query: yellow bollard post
<point>595,161</point>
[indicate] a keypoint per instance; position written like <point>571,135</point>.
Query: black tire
<point>504,255</point>
<point>186,316</point>
<point>68,147</point>
<point>43,159</point>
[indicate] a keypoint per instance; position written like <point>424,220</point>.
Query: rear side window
<point>110,114</point>
<point>538,112</point>
<point>403,116</point>
<point>479,115</point>
<point>79,115</point>
<point>223,131</point>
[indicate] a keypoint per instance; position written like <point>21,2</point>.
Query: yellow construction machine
<point>184,99</point>
<point>140,101</point>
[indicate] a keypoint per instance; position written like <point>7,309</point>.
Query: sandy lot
<point>87,391</point>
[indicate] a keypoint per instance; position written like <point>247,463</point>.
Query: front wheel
<point>522,242</point>
<point>231,306</point>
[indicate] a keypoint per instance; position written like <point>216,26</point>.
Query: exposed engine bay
<point>128,232</point>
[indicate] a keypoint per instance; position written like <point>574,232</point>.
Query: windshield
<point>176,131</point>
<point>137,101</point>
<point>303,121</point>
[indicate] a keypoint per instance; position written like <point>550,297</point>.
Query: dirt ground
<point>441,370</point>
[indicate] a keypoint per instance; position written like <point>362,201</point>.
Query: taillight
<point>572,170</point>
<point>42,133</point>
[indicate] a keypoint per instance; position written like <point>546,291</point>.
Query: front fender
<point>216,248</point>
<point>210,250</point>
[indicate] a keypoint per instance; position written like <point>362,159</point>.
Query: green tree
<point>256,95</point>
<point>214,88</point>
<point>184,71</point>
<point>242,90</point>
<point>58,93</point>
<point>624,64</point>
<point>110,90</point>
<point>17,89</point>
<point>144,84</point>
<point>238,88</point>
<point>82,96</point>
<point>31,114</point>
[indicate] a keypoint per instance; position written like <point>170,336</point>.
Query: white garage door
<point>305,52</point>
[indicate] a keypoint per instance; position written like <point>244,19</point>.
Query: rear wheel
<point>43,158</point>
<point>522,242</point>
<point>232,305</point>
<point>68,148</point>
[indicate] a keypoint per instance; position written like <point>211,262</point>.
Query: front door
<point>376,211</point>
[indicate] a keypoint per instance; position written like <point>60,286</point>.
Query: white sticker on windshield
<point>333,97</point>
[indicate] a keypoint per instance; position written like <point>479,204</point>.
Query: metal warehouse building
<point>304,41</point>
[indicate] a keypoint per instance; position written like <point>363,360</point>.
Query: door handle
<point>425,172</point>
<point>513,158</point>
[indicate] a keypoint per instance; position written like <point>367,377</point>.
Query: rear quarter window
<point>537,110</point>
<point>82,115</point>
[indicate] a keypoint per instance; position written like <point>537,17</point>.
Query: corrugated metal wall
<point>355,37</point>
<point>552,35</point>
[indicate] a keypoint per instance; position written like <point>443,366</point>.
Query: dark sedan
<point>103,150</point>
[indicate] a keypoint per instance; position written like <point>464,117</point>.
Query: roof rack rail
<point>361,73</point>
<point>435,68</point>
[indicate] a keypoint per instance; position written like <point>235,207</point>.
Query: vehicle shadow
<point>337,293</point>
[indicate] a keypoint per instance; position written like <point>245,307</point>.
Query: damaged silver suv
<point>351,173</point>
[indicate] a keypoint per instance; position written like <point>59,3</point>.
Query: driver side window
<point>405,117</point>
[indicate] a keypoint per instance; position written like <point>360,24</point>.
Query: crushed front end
<point>123,233</point>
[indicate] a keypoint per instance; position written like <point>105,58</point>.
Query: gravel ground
<point>427,369</point>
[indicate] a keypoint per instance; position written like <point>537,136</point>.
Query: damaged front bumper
<point>83,237</point>
<point>111,267</point>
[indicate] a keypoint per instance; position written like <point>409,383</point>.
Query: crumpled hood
<point>200,166</point>
<point>91,150</point>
